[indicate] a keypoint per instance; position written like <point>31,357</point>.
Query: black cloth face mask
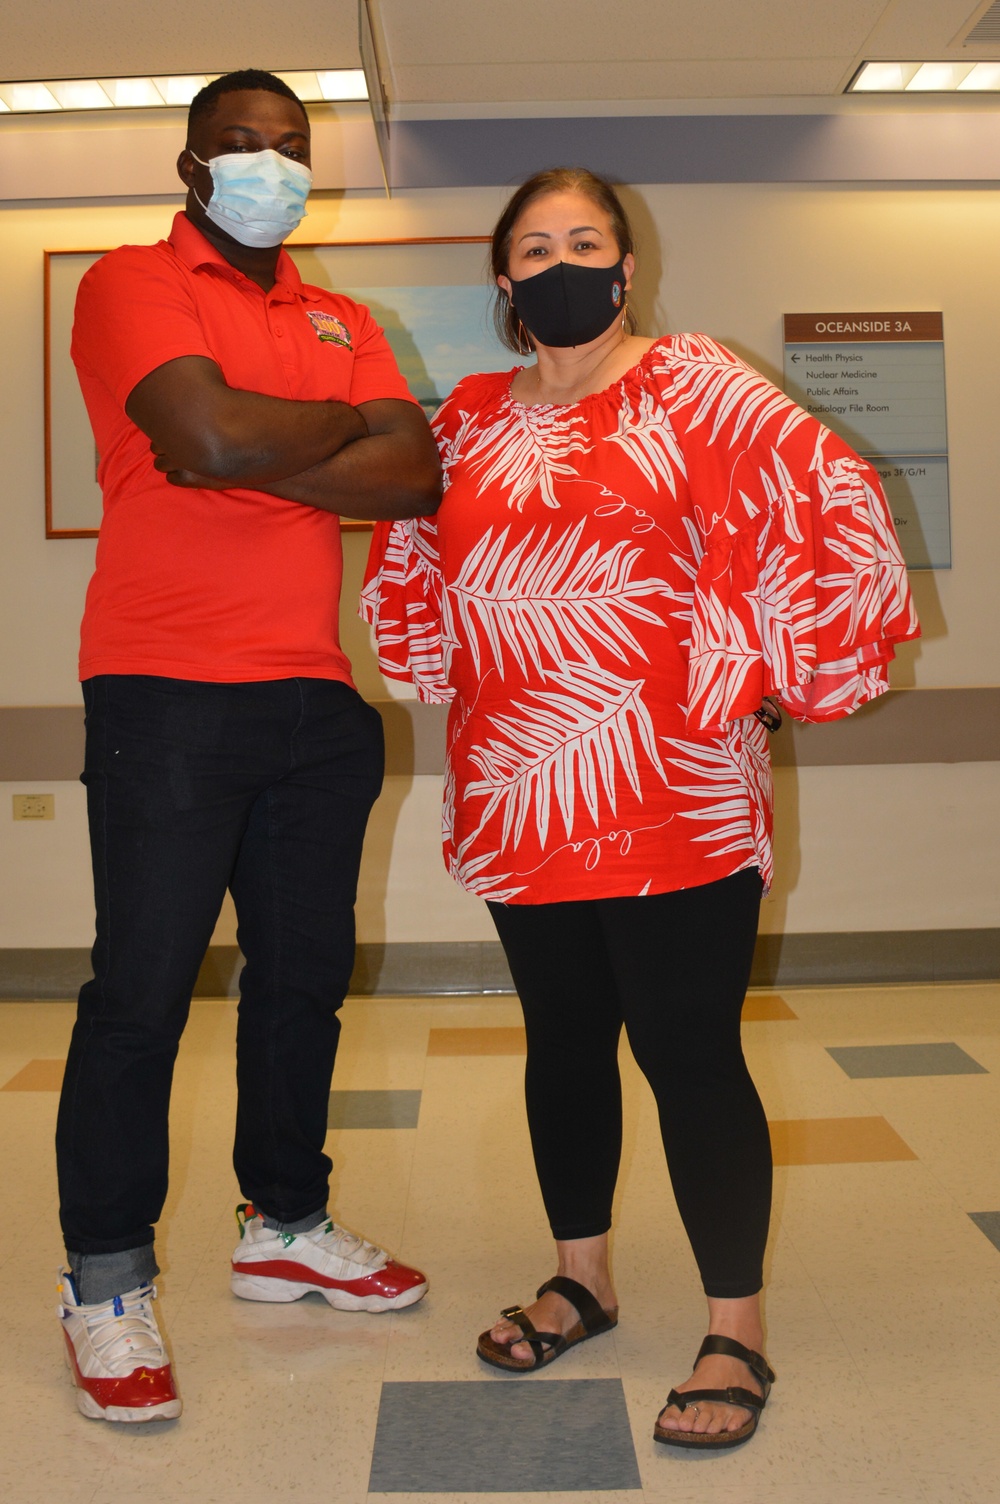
<point>569,304</point>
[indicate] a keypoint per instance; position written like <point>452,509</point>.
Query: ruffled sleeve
<point>401,601</point>
<point>402,598</point>
<point>801,592</point>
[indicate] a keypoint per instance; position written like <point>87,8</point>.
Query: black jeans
<point>264,788</point>
<point>674,968</point>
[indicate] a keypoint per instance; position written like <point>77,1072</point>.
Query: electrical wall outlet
<point>34,806</point>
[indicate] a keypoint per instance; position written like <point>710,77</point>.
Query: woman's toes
<point>672,1419</point>
<point>704,1419</point>
<point>506,1334</point>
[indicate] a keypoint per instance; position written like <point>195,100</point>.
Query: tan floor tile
<point>836,1141</point>
<point>952,1123</point>
<point>873,1271</point>
<point>37,1075</point>
<point>891,1014</point>
<point>848,1458</point>
<point>476,1042</point>
<point>763,1006</point>
<point>796,1077</point>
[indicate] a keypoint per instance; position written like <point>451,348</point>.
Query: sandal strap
<point>744,1398</point>
<point>593,1316</point>
<point>539,1342</point>
<point>730,1348</point>
<point>519,1317</point>
<point>542,1343</point>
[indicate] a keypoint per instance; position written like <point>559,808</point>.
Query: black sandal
<point>548,1346</point>
<point>745,1399</point>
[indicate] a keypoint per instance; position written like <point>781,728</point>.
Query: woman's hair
<point>508,326</point>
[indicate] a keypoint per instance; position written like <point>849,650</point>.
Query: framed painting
<point>429,295</point>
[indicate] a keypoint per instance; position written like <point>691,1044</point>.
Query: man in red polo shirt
<point>238,414</point>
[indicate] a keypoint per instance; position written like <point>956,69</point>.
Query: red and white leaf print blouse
<point>606,594</point>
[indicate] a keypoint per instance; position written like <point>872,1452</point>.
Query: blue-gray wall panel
<point>901,147</point>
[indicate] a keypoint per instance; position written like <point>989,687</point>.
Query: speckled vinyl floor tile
<point>881,1289</point>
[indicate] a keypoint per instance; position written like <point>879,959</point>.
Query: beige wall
<point>859,848</point>
<point>912,852</point>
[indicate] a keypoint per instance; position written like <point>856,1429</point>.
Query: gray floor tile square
<point>989,1223</point>
<point>868,1060</point>
<point>488,1438</point>
<point>373,1109</point>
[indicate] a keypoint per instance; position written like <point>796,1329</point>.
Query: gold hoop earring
<point>522,338</point>
<point>624,319</point>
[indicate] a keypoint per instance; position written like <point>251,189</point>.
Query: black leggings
<point>674,968</point>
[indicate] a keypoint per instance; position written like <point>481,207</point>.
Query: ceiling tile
<point>64,39</point>
<point>459,51</point>
<point>442,32</point>
<point>923,28</point>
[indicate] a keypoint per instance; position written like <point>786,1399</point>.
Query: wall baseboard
<point>41,742</point>
<point>475,967</point>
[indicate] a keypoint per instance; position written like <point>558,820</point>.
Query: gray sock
<point>102,1276</point>
<point>304,1224</point>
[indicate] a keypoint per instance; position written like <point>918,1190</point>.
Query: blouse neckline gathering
<point>633,373</point>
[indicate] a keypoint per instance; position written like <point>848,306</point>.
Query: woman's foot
<point>715,1371</point>
<point>551,1313</point>
<point>582,1259</point>
<point>741,1321</point>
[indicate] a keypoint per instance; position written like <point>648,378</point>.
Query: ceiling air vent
<point>987,28</point>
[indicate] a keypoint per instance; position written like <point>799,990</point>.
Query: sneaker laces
<point>342,1244</point>
<point>124,1331</point>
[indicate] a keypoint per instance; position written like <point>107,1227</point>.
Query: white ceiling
<point>504,54</point>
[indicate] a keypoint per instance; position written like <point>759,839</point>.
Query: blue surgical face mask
<point>258,197</point>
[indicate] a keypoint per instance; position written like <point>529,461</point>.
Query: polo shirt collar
<point>195,251</point>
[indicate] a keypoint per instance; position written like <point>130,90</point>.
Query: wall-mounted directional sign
<point>877,379</point>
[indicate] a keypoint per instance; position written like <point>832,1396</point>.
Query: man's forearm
<point>258,440</point>
<point>197,423</point>
<point>392,471</point>
<point>374,479</point>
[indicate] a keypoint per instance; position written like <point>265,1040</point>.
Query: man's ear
<point>186,168</point>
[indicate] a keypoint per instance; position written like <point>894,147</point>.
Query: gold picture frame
<point>429,294</point>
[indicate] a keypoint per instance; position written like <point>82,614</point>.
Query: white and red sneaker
<point>116,1356</point>
<point>351,1274</point>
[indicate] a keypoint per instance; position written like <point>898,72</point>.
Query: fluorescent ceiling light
<point>343,83</point>
<point>334,84</point>
<point>28,98</point>
<point>313,87</point>
<point>882,77</point>
<point>938,78</point>
<point>304,84</point>
<point>182,87</point>
<point>982,76</point>
<point>925,78</point>
<point>80,94</point>
<point>133,93</point>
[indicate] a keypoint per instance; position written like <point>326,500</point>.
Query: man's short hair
<point>205,101</point>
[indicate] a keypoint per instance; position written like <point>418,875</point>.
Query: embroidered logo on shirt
<point>330,330</point>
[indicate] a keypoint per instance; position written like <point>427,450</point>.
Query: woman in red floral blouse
<point>640,540</point>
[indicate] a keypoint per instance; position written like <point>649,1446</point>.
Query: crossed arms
<point>376,460</point>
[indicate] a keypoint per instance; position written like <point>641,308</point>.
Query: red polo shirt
<point>213,585</point>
